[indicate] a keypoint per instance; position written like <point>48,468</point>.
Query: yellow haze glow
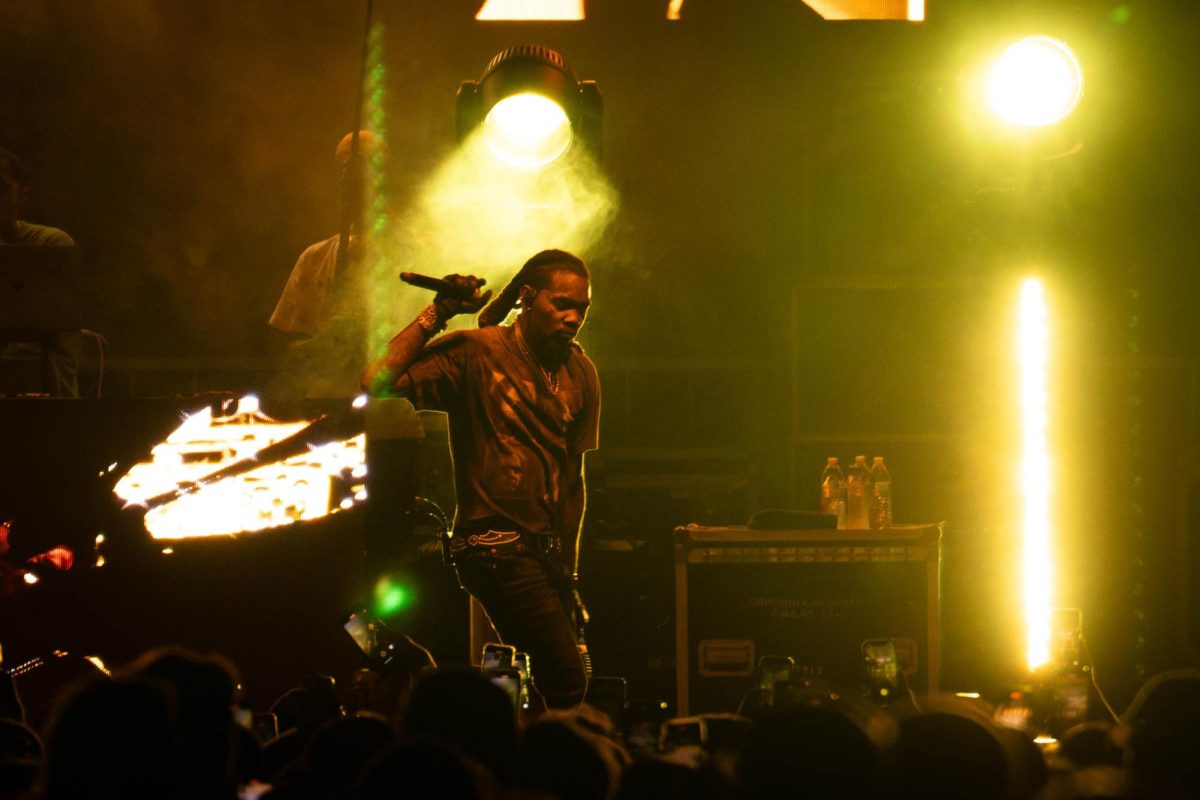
<point>477,215</point>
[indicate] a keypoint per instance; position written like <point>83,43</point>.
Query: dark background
<point>816,253</point>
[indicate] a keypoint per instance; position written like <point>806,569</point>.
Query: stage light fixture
<point>531,107</point>
<point>527,130</point>
<point>1036,82</point>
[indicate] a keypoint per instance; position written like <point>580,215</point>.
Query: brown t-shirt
<point>510,437</point>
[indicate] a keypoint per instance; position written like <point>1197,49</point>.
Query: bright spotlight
<point>527,130</point>
<point>531,107</point>
<point>1035,82</point>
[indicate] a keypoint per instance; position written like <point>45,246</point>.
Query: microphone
<point>436,284</point>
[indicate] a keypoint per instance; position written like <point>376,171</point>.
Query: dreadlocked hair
<point>536,272</point>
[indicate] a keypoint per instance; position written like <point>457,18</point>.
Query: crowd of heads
<point>171,725</point>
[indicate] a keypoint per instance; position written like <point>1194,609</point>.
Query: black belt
<point>543,543</point>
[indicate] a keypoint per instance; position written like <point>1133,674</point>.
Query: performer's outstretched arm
<point>386,376</point>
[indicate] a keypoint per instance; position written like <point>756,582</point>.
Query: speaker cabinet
<point>813,595</point>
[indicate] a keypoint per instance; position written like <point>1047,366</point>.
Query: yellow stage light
<point>531,108</point>
<point>531,10</point>
<point>1035,472</point>
<point>527,130</point>
<point>1035,82</point>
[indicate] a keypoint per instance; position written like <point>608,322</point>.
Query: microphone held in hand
<point>459,294</point>
<point>435,284</point>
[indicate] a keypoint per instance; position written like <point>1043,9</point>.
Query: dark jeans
<point>529,605</point>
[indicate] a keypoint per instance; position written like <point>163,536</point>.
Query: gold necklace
<point>549,377</point>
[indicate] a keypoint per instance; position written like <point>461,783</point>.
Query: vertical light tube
<point>1035,480</point>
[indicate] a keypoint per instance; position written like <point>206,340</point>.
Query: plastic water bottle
<point>833,491</point>
<point>857,503</point>
<point>880,482</point>
<point>1070,671</point>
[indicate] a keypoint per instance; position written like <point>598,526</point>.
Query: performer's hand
<point>467,300</point>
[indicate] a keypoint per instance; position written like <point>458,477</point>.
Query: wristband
<point>430,320</point>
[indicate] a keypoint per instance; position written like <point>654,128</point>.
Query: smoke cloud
<point>472,216</point>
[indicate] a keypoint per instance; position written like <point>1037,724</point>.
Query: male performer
<point>524,406</point>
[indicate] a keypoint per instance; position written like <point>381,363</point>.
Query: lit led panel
<point>313,484</point>
<point>531,10</point>
<point>911,10</point>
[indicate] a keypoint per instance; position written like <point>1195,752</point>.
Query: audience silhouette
<point>165,727</point>
<point>116,738</point>
<point>462,707</point>
<point>807,751</point>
